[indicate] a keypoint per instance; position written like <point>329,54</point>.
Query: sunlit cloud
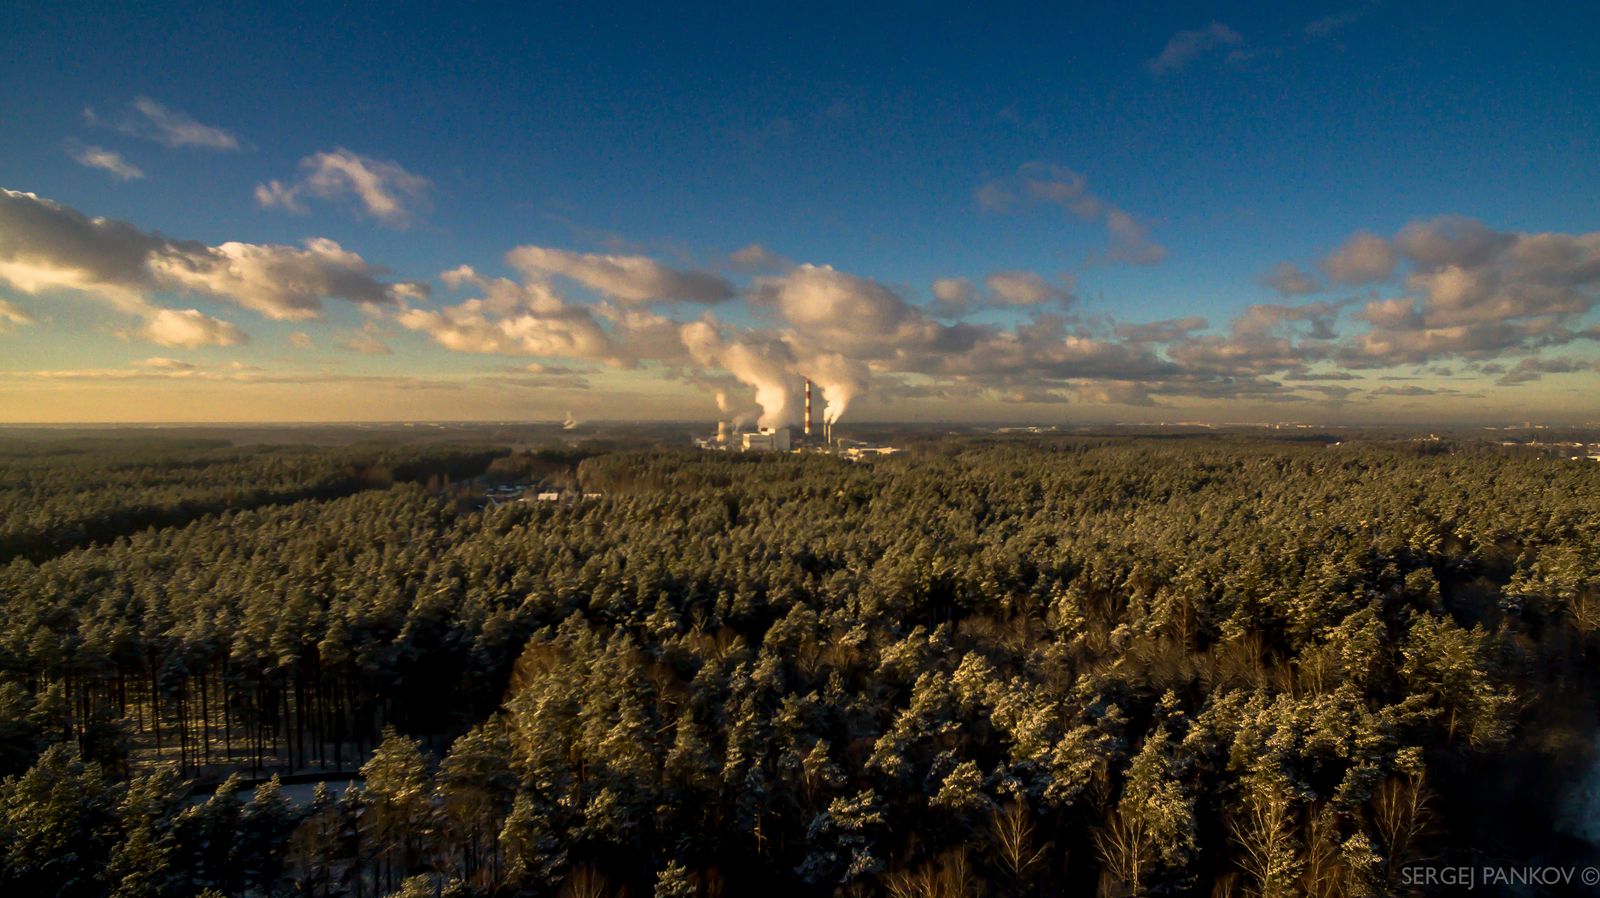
<point>105,160</point>
<point>381,189</point>
<point>150,120</point>
<point>45,245</point>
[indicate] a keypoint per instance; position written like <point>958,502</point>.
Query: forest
<point>1041,665</point>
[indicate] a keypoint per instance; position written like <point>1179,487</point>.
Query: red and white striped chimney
<point>808,406</point>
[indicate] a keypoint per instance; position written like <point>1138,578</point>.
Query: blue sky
<point>1127,165</point>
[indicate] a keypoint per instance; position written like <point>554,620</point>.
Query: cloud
<point>238,374</point>
<point>957,297</point>
<point>528,319</point>
<point>105,160</point>
<point>1410,390</point>
<point>1166,331</point>
<point>283,282</point>
<point>637,280</point>
<point>854,315</point>
<point>1290,281</point>
<point>274,195</point>
<point>12,317</point>
<point>954,297</point>
<point>1465,291</point>
<point>1450,241</point>
<point>366,345</point>
<point>1024,288</point>
<point>1187,46</point>
<point>163,364</point>
<point>1130,240</point>
<point>189,329</point>
<point>1323,375</point>
<point>1362,259</point>
<point>847,333</point>
<point>1332,392</point>
<point>152,121</point>
<point>302,341</point>
<point>45,245</point>
<point>755,258</point>
<point>1264,339</point>
<point>382,189</point>
<point>1039,182</point>
<point>1475,292</point>
<point>1535,369</point>
<point>1331,24</point>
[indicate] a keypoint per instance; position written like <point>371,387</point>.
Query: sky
<point>1342,212</point>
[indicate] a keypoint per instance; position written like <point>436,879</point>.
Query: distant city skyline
<point>1363,213</point>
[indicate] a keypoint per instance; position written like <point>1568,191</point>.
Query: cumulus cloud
<point>852,334</point>
<point>381,189</point>
<point>957,297</point>
<point>105,160</point>
<point>1290,281</point>
<point>45,245</point>
<point>189,329</point>
<point>1450,241</point>
<point>1024,288</point>
<point>152,121</point>
<point>857,316</point>
<point>637,280</point>
<point>1362,259</point>
<point>1187,46</point>
<point>1467,294</point>
<point>527,319</point>
<point>756,258</point>
<point>1474,292</point>
<point>279,281</point>
<point>954,297</point>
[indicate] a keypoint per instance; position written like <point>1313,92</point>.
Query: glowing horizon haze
<point>1365,212</point>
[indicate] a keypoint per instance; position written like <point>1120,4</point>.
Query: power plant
<point>731,437</point>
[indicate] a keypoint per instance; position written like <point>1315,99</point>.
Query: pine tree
<point>59,826</point>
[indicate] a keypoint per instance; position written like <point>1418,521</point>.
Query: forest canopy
<point>1041,665</point>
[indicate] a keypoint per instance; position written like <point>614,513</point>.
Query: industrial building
<point>769,439</point>
<point>730,438</point>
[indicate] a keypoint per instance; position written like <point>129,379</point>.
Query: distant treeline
<point>1027,666</point>
<point>56,497</point>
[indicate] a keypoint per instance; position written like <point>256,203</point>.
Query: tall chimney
<point>808,407</point>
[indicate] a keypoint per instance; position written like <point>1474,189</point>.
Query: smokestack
<point>808,407</point>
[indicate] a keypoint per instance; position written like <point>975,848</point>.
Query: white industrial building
<point>767,439</point>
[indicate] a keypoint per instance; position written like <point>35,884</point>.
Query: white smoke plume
<point>841,380</point>
<point>570,423</point>
<point>762,362</point>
